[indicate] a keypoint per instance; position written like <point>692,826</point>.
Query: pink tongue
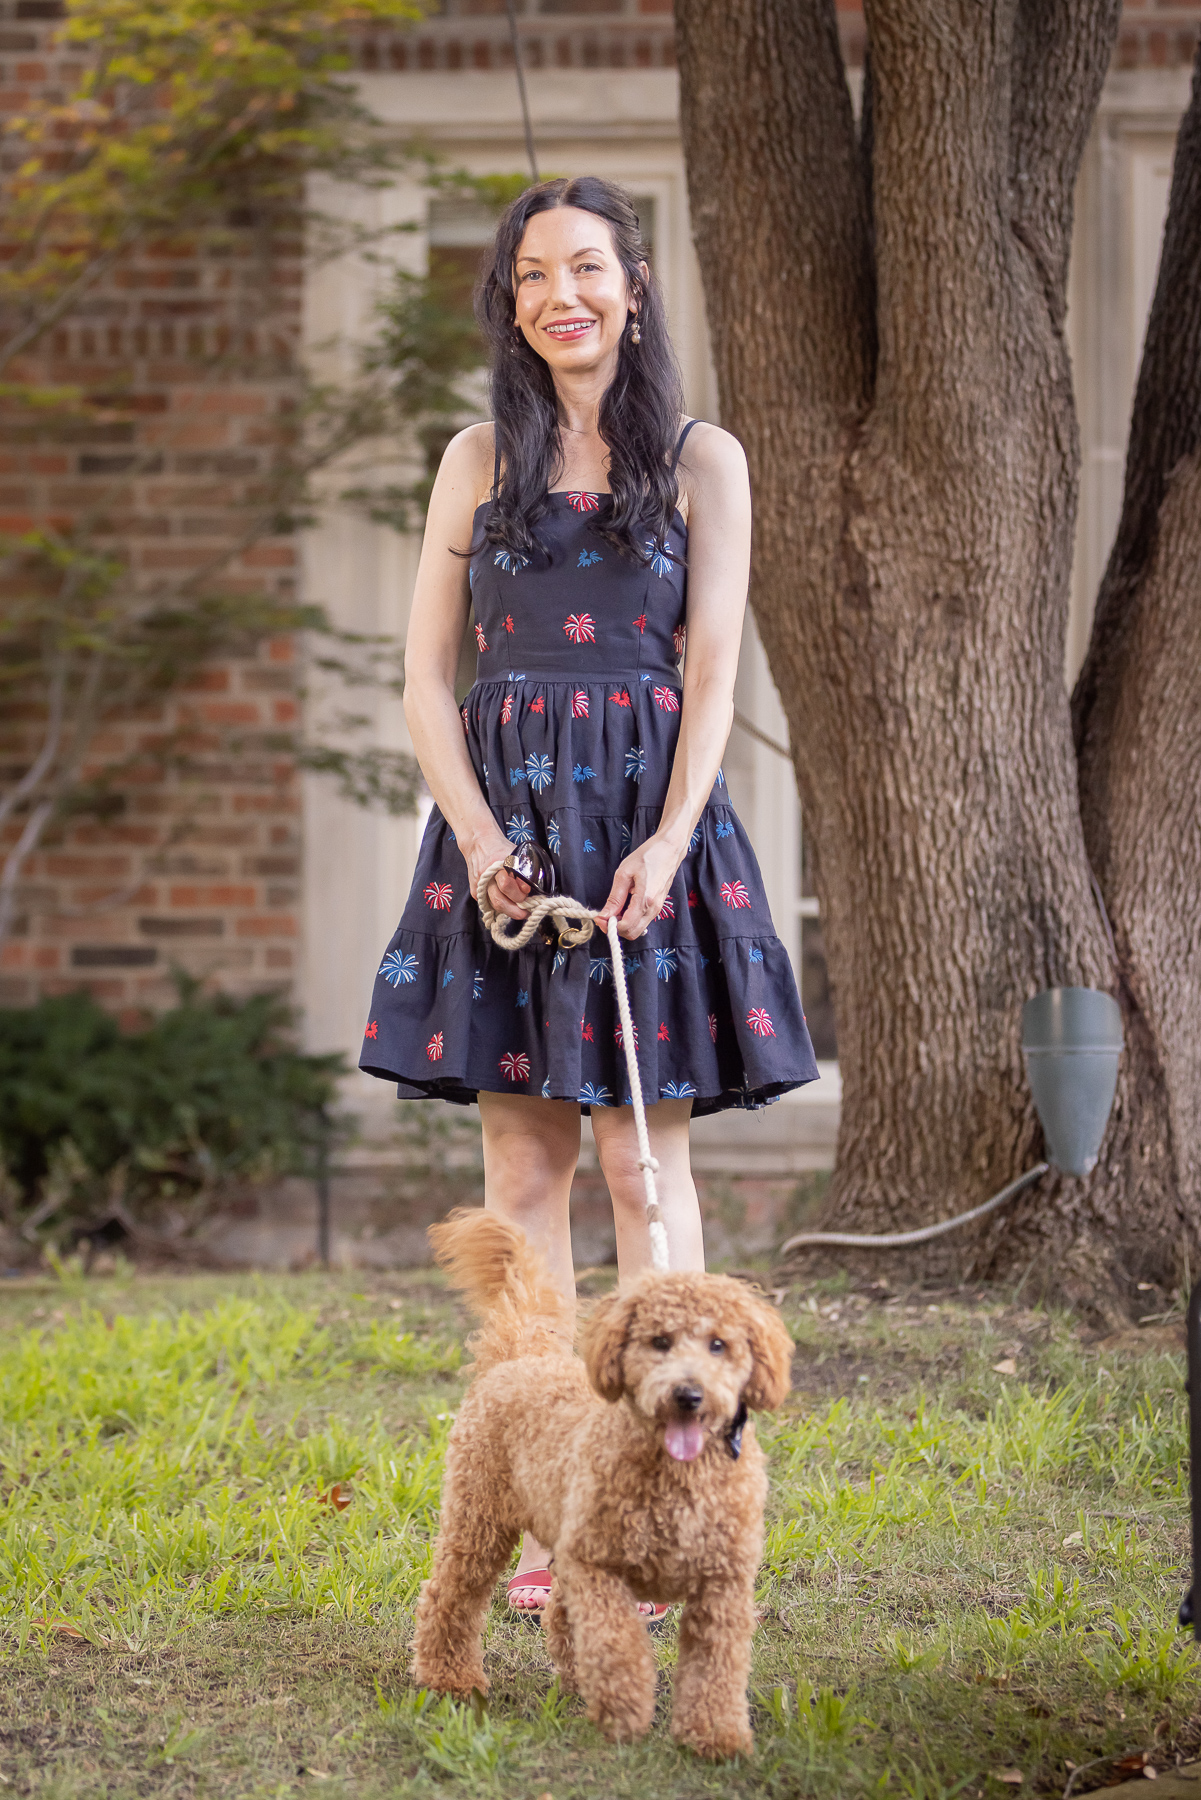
<point>684,1442</point>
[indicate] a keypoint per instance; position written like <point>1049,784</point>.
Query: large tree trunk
<point>1137,713</point>
<point>887,320</point>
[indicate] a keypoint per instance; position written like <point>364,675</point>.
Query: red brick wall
<point>203,873</point>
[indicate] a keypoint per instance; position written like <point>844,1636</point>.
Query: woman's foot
<point>528,1590</point>
<point>529,1587</point>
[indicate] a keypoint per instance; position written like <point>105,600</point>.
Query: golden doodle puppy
<point>638,1467</point>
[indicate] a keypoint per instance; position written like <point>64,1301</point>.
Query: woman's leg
<point>531,1148</point>
<point>617,1149</point>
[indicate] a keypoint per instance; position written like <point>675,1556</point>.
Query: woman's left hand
<point>640,886</point>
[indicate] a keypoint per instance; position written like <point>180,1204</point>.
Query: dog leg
<point>710,1713</point>
<point>469,1555</point>
<point>557,1626</point>
<point>614,1667</point>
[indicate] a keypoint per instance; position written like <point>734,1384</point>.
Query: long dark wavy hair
<point>641,409</point>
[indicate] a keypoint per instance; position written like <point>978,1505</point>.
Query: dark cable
<point>525,104</point>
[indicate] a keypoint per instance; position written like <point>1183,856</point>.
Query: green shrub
<point>209,1090</point>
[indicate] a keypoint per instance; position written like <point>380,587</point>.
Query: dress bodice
<point>577,607</point>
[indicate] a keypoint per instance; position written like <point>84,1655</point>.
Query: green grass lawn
<point>219,1495</point>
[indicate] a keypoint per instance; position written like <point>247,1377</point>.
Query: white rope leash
<point>575,924</point>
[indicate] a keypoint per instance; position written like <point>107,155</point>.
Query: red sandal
<point>528,1578</point>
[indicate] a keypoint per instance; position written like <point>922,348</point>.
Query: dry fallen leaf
<point>1006,1366</point>
<point>1011,1777</point>
<point>339,1497</point>
<point>1073,1537</point>
<point>71,1633</point>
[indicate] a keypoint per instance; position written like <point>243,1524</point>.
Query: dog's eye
<point>717,1346</point>
<point>660,1343</point>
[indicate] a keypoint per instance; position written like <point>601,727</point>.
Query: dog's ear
<point>771,1349</point>
<point>603,1343</point>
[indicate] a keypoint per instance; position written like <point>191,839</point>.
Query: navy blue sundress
<point>571,727</point>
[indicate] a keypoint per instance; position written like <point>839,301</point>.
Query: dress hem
<point>458,1093</point>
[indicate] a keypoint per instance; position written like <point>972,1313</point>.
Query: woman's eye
<point>717,1346</point>
<point>660,1343</point>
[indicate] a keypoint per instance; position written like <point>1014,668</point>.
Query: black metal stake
<point>323,1192</point>
<point>1188,1614</point>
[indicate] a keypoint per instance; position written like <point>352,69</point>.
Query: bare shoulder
<point>467,462</point>
<point>712,465</point>
<point>711,451</point>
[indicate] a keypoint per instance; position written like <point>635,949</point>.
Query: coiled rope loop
<point>574,924</point>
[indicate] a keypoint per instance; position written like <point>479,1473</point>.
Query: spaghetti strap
<point>680,443</point>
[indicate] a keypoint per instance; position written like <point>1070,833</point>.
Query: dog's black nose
<point>687,1397</point>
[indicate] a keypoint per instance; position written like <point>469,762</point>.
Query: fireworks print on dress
<point>666,699</point>
<point>579,703</point>
<point>515,1066</point>
<point>540,771</point>
<point>580,628</point>
<point>438,895</point>
<point>584,503</point>
<point>396,968</point>
<point>734,893</point>
<point>760,1022</point>
<point>434,1048</point>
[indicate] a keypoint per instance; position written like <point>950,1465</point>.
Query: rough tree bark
<point>887,318</point>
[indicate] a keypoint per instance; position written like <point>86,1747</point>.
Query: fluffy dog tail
<point>507,1284</point>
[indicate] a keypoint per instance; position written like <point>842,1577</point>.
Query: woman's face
<point>573,301</point>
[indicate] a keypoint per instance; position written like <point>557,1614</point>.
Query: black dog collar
<point>734,1431</point>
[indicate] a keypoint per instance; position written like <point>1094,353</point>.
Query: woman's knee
<point>529,1147</point>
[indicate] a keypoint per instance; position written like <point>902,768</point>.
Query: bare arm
<point>719,556</point>
<point>441,606</point>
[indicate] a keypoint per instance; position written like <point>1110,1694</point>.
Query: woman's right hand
<point>506,891</point>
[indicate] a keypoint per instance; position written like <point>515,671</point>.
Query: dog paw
<point>622,1725</point>
<point>714,1745</point>
<point>459,1679</point>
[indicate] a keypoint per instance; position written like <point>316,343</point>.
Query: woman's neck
<point>579,397</point>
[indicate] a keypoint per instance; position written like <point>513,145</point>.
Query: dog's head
<point>691,1353</point>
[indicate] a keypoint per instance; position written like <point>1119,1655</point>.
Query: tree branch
<point>1061,55</point>
<point>40,767</point>
<point>54,310</point>
<point>778,199</point>
<point>940,128</point>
